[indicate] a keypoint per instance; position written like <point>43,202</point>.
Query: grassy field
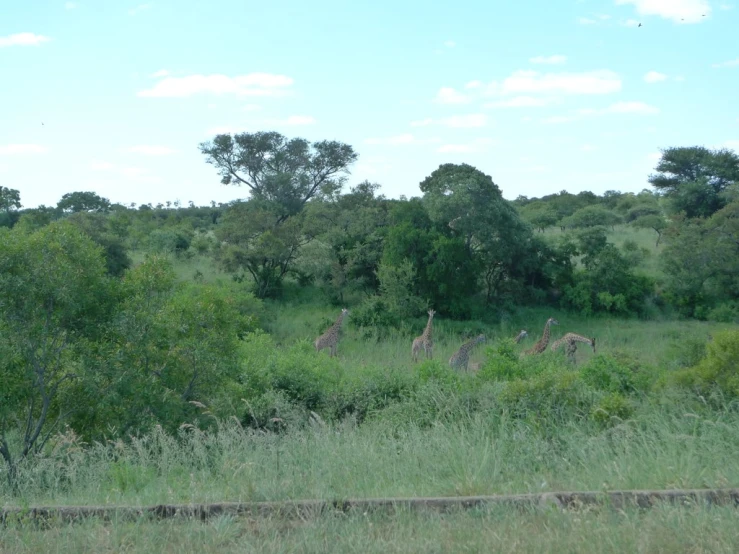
<point>465,443</point>
<point>664,529</point>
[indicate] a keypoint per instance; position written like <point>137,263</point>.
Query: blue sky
<point>541,95</point>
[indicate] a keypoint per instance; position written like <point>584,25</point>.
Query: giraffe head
<point>431,313</point>
<point>552,321</point>
<point>480,338</point>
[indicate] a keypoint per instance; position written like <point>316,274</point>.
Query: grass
<point>662,529</point>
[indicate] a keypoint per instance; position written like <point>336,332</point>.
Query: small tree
<point>592,216</point>
<point>54,295</point>
<point>652,221</point>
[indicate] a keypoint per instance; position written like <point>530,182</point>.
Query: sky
<point>114,96</point>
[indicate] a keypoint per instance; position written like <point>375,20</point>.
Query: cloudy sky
<point>115,96</point>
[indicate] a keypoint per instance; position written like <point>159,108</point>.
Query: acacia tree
<point>83,202</point>
<point>264,234</point>
<point>286,173</point>
<point>695,178</point>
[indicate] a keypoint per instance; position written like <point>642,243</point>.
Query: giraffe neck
<point>545,335</point>
<point>574,337</point>
<point>427,330</point>
<point>339,321</point>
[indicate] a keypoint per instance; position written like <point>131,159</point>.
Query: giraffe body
<point>461,357</point>
<point>330,339</point>
<point>425,341</point>
<point>570,341</point>
<point>542,343</point>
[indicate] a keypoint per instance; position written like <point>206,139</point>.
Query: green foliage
<point>501,362</point>
<point>612,409</point>
<point>438,371</point>
<point>397,290</point>
<point>170,240</point>
<point>591,216</point>
<point>718,371</point>
<point>616,372</point>
<point>73,202</point>
<point>694,178</point>
<point>551,395</point>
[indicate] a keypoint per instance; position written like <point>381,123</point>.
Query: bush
<point>501,362</point>
<point>718,371</point>
<point>616,372</point>
<point>612,408</point>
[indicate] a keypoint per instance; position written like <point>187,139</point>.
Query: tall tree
<point>83,202</point>
<point>10,202</point>
<point>287,173</point>
<point>694,178</point>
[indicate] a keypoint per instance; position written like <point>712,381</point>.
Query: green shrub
<point>717,371</point>
<point>725,313</point>
<point>501,362</point>
<point>612,408</point>
<point>550,395</point>
<point>615,372</point>
<point>436,370</point>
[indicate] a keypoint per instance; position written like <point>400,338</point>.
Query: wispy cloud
<point>151,150</point>
<point>654,77</point>
<point>522,102</point>
<point>450,44</point>
<point>23,39</point>
<point>448,95</point>
<point>477,145</point>
<point>555,59</point>
<point>456,121</point>
<point>636,108</point>
<point>70,5</point>
<point>160,73</point>
<point>588,82</point>
<point>21,149</point>
<point>679,11</point>
<point>253,84</point>
<point>397,140</point>
<point>138,9</point>
<point>730,63</point>
<point>98,165</point>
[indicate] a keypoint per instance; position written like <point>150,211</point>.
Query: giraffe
<point>425,341</point>
<point>541,345</point>
<point>522,335</point>
<point>330,339</point>
<point>571,340</point>
<point>462,356</point>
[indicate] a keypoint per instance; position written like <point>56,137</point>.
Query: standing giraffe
<point>522,335</point>
<point>330,339</point>
<point>541,345</point>
<point>571,340</point>
<point>462,356</point>
<point>425,341</point>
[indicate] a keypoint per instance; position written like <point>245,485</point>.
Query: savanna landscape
<point>170,354</point>
<point>369,277</point>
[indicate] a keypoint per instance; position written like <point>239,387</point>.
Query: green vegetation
<point>164,353</point>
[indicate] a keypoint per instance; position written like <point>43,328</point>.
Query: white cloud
<point>21,149</point>
<point>730,63</point>
<point>477,145</point>
<point>448,95</point>
<point>140,175</point>
<point>473,85</point>
<point>654,77</point>
<point>160,73</point>
<point>589,82</point>
<point>149,150</point>
<point>98,165</point>
<point>253,84</point>
<point>450,44</point>
<point>138,9</point>
<point>250,107</point>
<point>557,119</point>
<point>631,23</point>
<point>70,5</point>
<point>23,39</point>
<point>631,107</point>
<point>422,122</point>
<point>555,59</point>
<point>521,102</point>
<point>680,11</point>
<point>587,148</point>
<point>586,21</point>
<point>464,121</point>
<point>405,138</point>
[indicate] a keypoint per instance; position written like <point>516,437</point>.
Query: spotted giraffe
<point>541,345</point>
<point>522,335</point>
<point>571,340</point>
<point>330,339</point>
<point>462,356</point>
<point>425,341</point>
